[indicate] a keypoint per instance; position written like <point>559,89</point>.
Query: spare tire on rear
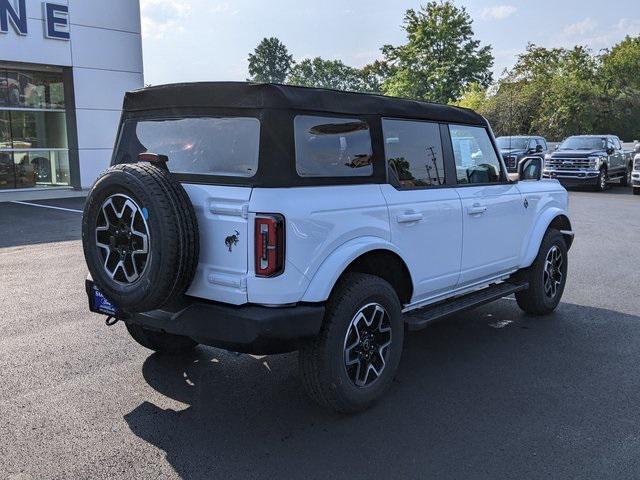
<point>140,237</point>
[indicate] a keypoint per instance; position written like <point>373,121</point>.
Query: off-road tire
<point>321,360</point>
<point>625,181</point>
<point>173,236</point>
<point>602,180</point>
<point>534,300</point>
<point>161,342</point>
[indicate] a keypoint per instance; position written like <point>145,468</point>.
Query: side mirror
<point>530,168</point>
<point>557,147</point>
<point>610,151</point>
<point>539,149</point>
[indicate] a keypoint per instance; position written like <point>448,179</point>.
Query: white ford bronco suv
<point>265,219</point>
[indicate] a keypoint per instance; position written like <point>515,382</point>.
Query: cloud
<point>588,33</point>
<point>223,8</point>
<point>580,28</point>
<point>498,12</point>
<point>162,16</point>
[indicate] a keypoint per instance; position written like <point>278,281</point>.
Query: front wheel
<point>547,276</point>
<point>601,186</point>
<point>626,180</point>
<point>354,358</point>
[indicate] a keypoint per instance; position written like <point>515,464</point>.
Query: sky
<point>195,40</point>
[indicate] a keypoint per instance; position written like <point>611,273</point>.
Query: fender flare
<point>336,263</point>
<point>540,228</point>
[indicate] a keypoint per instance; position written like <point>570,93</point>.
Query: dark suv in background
<point>515,149</point>
<point>592,160</point>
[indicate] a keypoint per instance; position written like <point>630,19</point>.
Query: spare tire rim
<point>122,236</point>
<point>553,275</point>
<point>367,344</point>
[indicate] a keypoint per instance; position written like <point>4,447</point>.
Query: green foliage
<point>474,97</point>
<point>270,61</point>
<point>441,57</point>
<point>321,73</point>
<point>560,92</point>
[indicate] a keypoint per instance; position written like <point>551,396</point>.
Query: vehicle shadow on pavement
<point>491,393</point>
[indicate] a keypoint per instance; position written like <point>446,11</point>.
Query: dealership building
<point>64,68</point>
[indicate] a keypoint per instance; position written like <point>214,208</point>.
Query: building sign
<point>56,19</point>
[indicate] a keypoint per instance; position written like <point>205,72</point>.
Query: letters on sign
<point>13,14</point>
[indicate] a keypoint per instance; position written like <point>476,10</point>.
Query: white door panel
<point>222,214</point>
<point>494,226</point>
<point>426,226</point>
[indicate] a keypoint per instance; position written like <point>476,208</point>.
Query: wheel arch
<point>552,218</point>
<point>373,256</point>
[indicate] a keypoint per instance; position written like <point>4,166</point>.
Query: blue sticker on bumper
<point>102,305</point>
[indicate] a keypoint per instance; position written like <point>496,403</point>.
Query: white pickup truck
<point>265,219</point>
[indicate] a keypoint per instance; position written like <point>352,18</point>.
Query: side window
<point>476,159</point>
<point>616,143</point>
<point>414,153</point>
<point>332,147</point>
<point>543,142</point>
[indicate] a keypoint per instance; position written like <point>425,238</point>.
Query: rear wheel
<point>547,276</point>
<point>161,342</point>
<point>354,358</point>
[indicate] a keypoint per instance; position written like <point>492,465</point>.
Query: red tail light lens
<point>269,245</point>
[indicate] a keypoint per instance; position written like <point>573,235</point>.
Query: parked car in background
<point>515,149</point>
<point>591,160</point>
<point>268,218</point>
<point>635,175</point>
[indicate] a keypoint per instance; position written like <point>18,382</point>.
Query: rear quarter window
<point>195,145</point>
<point>332,147</point>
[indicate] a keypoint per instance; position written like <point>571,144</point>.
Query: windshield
<point>197,145</point>
<point>583,143</point>
<point>512,143</point>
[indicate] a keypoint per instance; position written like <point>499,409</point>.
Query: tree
<point>620,78</point>
<point>270,62</point>
<point>441,57</point>
<point>374,75</point>
<point>474,97</point>
<point>322,73</point>
<point>549,92</point>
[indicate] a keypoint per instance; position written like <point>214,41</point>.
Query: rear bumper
<point>248,329</point>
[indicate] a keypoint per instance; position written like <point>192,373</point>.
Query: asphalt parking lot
<point>487,394</point>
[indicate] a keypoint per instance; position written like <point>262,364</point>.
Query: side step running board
<point>421,318</point>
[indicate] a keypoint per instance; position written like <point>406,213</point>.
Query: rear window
<point>198,145</point>
<point>332,147</point>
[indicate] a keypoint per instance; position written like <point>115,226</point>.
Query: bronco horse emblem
<point>232,240</point>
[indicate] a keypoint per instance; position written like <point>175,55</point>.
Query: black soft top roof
<point>273,96</point>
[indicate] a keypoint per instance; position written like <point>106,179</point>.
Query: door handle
<point>476,209</point>
<point>409,217</point>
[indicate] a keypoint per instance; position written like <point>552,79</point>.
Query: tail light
<point>269,245</point>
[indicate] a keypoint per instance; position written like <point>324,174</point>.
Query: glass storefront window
<point>38,129</point>
<point>33,129</point>
<point>7,173</point>
<point>29,89</point>
<point>5,130</point>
